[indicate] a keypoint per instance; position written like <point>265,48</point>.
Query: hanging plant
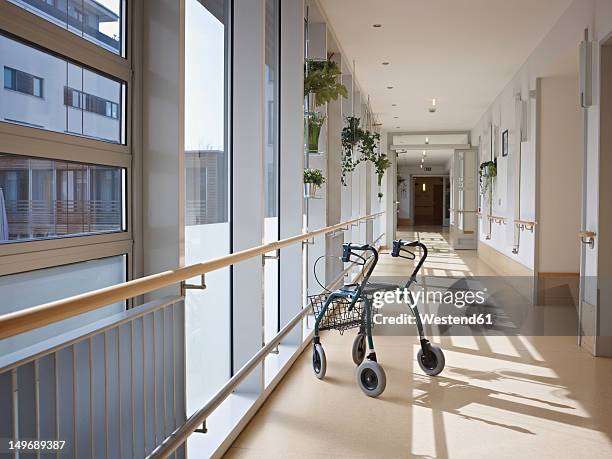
<point>487,174</point>
<point>368,145</point>
<point>381,163</point>
<point>315,121</point>
<point>380,196</point>
<point>321,79</point>
<point>350,136</point>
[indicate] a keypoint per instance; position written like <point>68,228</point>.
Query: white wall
<point>555,56</point>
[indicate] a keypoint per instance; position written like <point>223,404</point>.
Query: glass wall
<point>44,91</point>
<point>99,21</point>
<point>207,182</point>
<point>44,198</point>
<point>24,290</point>
<point>271,166</point>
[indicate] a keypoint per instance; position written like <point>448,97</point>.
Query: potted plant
<point>313,179</point>
<point>381,163</point>
<point>321,80</point>
<point>315,121</point>
<point>350,136</point>
<point>487,174</point>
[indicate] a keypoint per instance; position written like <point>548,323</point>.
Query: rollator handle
<point>348,247</point>
<point>398,248</point>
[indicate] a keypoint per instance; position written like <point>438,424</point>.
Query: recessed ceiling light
<point>433,107</point>
<point>389,87</point>
<point>426,140</point>
<point>377,26</point>
<point>396,117</point>
<point>394,105</point>
<point>385,63</point>
<point>397,127</point>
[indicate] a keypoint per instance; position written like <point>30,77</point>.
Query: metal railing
<point>32,318</point>
<point>38,316</point>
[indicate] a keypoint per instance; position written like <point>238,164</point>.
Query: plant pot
<point>310,190</point>
<point>314,132</point>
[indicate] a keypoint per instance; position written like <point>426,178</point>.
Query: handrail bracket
<point>185,286</point>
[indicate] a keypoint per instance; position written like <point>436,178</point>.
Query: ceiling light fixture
<point>389,87</point>
<point>396,117</point>
<point>422,160</point>
<point>433,107</point>
<point>377,26</point>
<point>394,105</point>
<point>426,140</point>
<point>385,63</point>
<point>424,154</point>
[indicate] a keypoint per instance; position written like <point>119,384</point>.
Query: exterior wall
<point>49,112</point>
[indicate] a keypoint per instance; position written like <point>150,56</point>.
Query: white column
<point>291,161</point>
<point>247,183</point>
<point>163,140</point>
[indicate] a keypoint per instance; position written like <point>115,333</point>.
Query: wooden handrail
<point>17,322</point>
<point>525,222</point>
<point>589,234</point>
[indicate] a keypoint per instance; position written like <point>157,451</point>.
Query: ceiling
<point>433,158</point>
<point>462,53</point>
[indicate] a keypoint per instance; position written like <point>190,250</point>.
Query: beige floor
<point>497,397</point>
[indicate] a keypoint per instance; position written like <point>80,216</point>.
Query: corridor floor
<point>498,396</point>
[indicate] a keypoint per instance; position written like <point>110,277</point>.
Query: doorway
<point>428,201</point>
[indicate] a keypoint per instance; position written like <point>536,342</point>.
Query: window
<point>67,86</point>
<point>99,21</point>
<point>43,199</point>
<point>88,102</point>
<point>207,184</point>
<point>271,165</point>
<point>23,82</point>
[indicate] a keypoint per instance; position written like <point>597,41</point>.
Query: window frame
<point>27,27</point>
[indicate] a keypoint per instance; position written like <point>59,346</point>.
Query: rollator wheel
<point>359,348</point>
<point>319,361</point>
<point>432,364</point>
<point>371,378</point>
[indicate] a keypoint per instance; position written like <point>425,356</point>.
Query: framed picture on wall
<point>505,143</point>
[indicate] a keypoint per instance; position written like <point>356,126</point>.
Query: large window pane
<point>99,21</point>
<point>24,290</point>
<point>207,229</point>
<point>271,166</point>
<point>42,199</point>
<point>44,91</point>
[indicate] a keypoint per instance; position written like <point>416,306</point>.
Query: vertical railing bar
<point>144,387</point>
<point>154,378</point>
<point>91,399</point>
<point>37,401</point>
<point>106,363</point>
<point>173,372</point>
<point>119,390</point>
<point>163,315</point>
<point>74,402</point>
<point>57,404</point>
<point>132,388</point>
<point>15,391</point>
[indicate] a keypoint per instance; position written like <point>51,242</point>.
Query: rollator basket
<point>339,315</point>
